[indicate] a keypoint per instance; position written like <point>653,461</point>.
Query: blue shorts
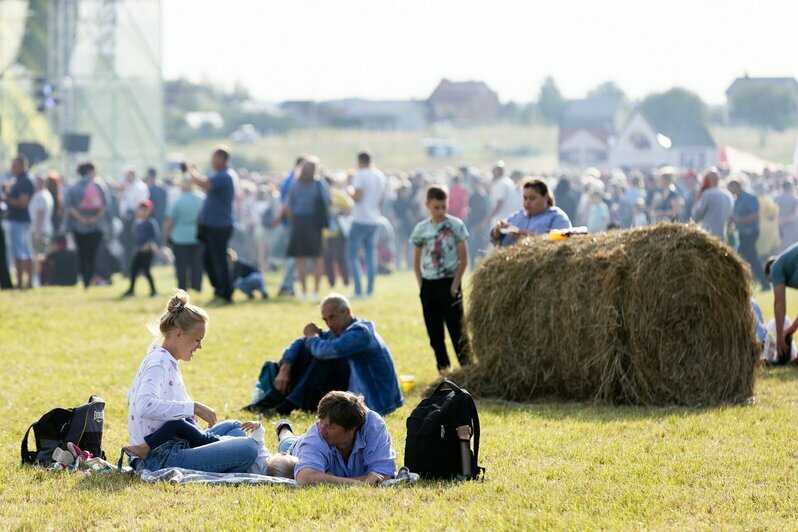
<point>20,240</point>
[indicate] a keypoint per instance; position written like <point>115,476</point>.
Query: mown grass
<point>561,465</point>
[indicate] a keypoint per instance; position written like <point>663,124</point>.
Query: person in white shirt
<point>134,191</point>
<point>505,197</point>
<point>368,192</point>
<point>41,215</point>
<point>158,395</point>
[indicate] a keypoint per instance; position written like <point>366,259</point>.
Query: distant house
<point>303,113</point>
<point>369,114</point>
<point>586,129</point>
<point>642,144</point>
<point>464,102</point>
<point>788,83</point>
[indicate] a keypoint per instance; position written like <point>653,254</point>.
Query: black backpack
<point>82,426</point>
<point>432,448</point>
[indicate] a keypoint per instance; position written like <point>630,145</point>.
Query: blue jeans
<point>251,283</point>
<point>287,444</point>
<point>20,240</point>
<point>362,235</point>
<point>234,455</point>
<point>290,274</point>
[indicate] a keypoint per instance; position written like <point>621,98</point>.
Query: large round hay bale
<point>653,316</point>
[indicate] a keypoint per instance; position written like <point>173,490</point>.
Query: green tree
<point>606,89</point>
<point>764,106</point>
<point>550,101</point>
<point>674,108</point>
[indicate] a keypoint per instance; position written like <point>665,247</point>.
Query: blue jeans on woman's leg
<point>233,455</point>
<point>363,235</point>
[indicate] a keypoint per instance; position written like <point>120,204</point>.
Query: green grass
<point>563,465</point>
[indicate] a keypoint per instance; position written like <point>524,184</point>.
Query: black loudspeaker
<point>75,142</point>
<point>34,151</point>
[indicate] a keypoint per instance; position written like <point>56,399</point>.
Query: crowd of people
<point>319,223</point>
<point>231,227</point>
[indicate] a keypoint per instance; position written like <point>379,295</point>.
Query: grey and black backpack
<point>82,426</point>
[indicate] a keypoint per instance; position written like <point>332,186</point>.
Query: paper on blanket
<point>178,475</point>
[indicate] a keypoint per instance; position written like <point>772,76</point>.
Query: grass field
<point>562,465</point>
<point>403,150</point>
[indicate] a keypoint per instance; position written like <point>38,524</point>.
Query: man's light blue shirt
<point>372,451</point>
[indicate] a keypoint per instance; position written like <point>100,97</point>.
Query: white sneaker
<point>63,457</point>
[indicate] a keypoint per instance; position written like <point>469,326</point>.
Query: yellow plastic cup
<point>407,382</point>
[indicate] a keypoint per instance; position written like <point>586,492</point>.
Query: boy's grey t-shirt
<point>438,243</point>
<point>712,211</point>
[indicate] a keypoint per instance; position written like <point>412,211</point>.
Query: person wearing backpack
<point>87,216</point>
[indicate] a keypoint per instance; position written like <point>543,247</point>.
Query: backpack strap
<point>27,456</point>
<point>475,420</point>
<point>450,384</point>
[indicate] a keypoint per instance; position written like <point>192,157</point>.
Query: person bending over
<point>782,271</point>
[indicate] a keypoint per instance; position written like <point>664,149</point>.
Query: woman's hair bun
<point>178,302</point>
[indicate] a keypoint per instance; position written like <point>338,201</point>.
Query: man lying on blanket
<point>349,444</point>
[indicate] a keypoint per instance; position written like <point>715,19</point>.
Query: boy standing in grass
<point>147,235</point>
<point>439,260</point>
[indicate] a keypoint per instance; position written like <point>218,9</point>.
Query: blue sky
<point>314,49</point>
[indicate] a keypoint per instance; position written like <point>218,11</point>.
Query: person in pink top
<point>458,198</point>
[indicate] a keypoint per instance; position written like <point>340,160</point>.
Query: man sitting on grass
<point>349,356</point>
<point>349,444</point>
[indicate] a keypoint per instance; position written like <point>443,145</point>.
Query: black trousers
<point>5,275</point>
<point>748,252</point>
<point>142,261</point>
<point>215,258</point>
<point>188,265</point>
<point>311,379</point>
<point>87,244</point>
<point>128,240</point>
<point>335,255</point>
<point>441,308</point>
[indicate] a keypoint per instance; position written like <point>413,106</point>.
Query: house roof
<point>598,132</point>
<point>591,112</point>
<point>788,83</point>
<point>685,134</point>
<point>364,108</point>
<point>460,90</point>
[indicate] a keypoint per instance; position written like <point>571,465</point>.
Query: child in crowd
<point>246,276</point>
<point>147,235</point>
<point>279,465</point>
<point>439,261</point>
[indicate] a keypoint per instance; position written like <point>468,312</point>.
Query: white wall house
<point>583,148</point>
<point>640,144</point>
<point>586,127</point>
